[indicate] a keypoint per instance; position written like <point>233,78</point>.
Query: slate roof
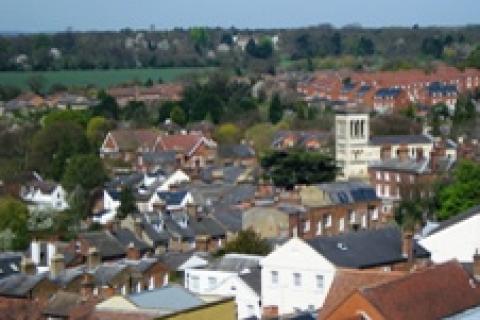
<point>133,139</point>
<point>400,139</point>
<point>439,291</point>
<point>107,245</point>
<point>175,259</point>
<point>206,226</point>
<point>160,158</point>
<point>440,88</point>
<point>169,298</point>
<point>456,219</point>
<point>253,280</point>
<point>125,180</point>
<point>141,265</point>
<point>365,248</point>
<point>19,284</point>
<point>348,192</point>
<point>409,165</point>
<point>174,228</point>
<point>45,186</point>
<point>126,236</point>
<point>236,151</point>
<point>105,273</point>
<point>61,304</point>
<point>230,218</point>
<point>234,263</point>
<point>174,198</point>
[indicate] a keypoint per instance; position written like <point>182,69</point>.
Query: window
<point>412,179</point>
<point>364,221</point>
<point>212,282</point>
<point>327,220</point>
<point>387,176</point>
<point>351,216</point>
<point>297,279</point>
<point>274,275</point>
<point>319,281</point>
<point>319,228</point>
<point>379,190</point>
<point>398,177</point>
<point>379,175</point>
<point>375,214</point>
<point>341,225</point>
<point>387,191</point>
<point>306,226</point>
<point>250,310</point>
<point>195,283</point>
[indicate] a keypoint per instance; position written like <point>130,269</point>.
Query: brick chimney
<point>27,266</point>
<point>407,245</point>
<point>403,153</point>
<point>86,288</point>
<point>93,259</point>
<point>57,265</point>
<point>132,252</point>
<point>192,210</point>
<point>138,228</point>
<point>476,265</point>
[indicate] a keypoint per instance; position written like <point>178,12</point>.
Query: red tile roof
<point>184,143</point>
<point>432,293</point>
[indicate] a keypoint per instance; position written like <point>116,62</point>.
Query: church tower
<point>352,130</point>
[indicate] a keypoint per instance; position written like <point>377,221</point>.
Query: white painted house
<point>295,277</point>
<point>456,238</point>
<point>44,195</point>
<point>234,275</point>
<point>111,204</point>
<point>177,178</point>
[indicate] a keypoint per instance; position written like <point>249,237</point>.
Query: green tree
<point>74,116</point>
<point>227,133</point>
<point>275,111</point>
<point>261,135</point>
<point>52,146</point>
<point>365,47</point>
<point>287,169</point>
<point>108,106</point>
<point>14,218</point>
<point>86,171</point>
<point>473,59</point>
<point>462,193</point>
<point>127,203</point>
<point>178,116</point>
<point>97,128</point>
<point>247,242</point>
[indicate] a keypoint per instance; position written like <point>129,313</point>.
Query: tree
<point>127,203</point>
<point>97,128</point>
<point>74,116</point>
<point>178,116</point>
<point>365,47</point>
<point>52,146</point>
<point>262,50</point>
<point>108,106</point>
<point>36,83</point>
<point>86,171</point>
<point>137,112</point>
<point>14,218</point>
<point>473,59</point>
<point>288,169</point>
<point>261,135</point>
<point>247,242</point>
<point>462,193</point>
<point>275,111</point>
<point>227,133</point>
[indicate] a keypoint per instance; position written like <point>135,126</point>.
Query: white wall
<point>204,286</point>
<point>295,256</point>
<point>459,241</point>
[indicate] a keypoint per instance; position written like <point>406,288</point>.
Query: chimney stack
<point>86,288</point>
<point>138,228</point>
<point>403,153</point>
<point>57,265</point>
<point>132,252</point>
<point>192,210</point>
<point>476,265</point>
<point>386,153</point>
<point>93,259</point>
<point>27,266</point>
<point>407,245</point>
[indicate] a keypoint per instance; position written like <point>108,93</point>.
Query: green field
<point>99,78</point>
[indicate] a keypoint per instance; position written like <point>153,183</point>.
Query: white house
<point>456,238</point>
<point>295,277</point>
<point>111,204</point>
<point>177,178</point>
<point>246,288</point>
<point>231,275</point>
<point>44,195</point>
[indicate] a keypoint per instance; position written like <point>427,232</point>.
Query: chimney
<point>113,226</point>
<point>476,265</point>
<point>93,259</point>
<point>386,153</point>
<point>403,153</point>
<point>132,252</point>
<point>138,228</point>
<point>27,266</point>
<point>35,251</point>
<point>86,288</point>
<point>407,245</point>
<point>57,265</point>
<point>191,209</point>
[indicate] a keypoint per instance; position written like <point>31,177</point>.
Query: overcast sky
<point>56,15</point>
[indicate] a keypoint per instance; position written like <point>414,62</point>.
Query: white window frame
<point>195,282</point>
<point>320,282</point>
<point>212,282</point>
<point>379,175</point>
<point>328,223</point>
<point>319,228</point>
<point>274,277</point>
<point>306,226</point>
<point>341,225</point>
<point>297,279</point>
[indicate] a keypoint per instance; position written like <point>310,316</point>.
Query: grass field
<point>99,78</point>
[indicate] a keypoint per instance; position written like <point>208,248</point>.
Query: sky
<point>82,15</point>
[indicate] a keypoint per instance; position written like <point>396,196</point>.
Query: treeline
<point>387,48</point>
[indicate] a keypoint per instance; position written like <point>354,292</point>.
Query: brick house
<point>389,100</point>
<point>433,293</point>
<point>148,95</point>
